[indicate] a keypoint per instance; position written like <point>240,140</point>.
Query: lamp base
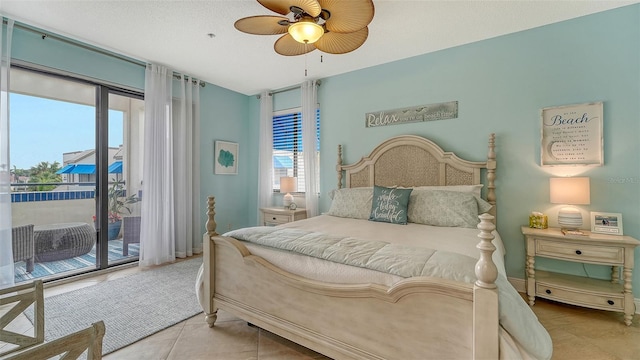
<point>569,218</point>
<point>287,200</point>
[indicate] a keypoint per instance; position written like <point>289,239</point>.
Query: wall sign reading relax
<point>572,135</point>
<point>440,111</point>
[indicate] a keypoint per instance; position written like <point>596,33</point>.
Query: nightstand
<point>612,250</point>
<point>277,216</point>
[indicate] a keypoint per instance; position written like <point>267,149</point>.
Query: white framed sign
<point>572,135</point>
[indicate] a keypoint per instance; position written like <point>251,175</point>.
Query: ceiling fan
<point>331,26</point>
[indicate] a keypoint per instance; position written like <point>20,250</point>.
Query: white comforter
<point>457,240</point>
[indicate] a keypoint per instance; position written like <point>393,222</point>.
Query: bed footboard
<point>420,317</point>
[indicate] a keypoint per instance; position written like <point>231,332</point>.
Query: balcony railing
<point>76,203</point>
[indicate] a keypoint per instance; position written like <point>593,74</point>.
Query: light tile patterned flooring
<point>577,333</point>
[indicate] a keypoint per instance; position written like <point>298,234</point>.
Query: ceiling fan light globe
<point>306,32</point>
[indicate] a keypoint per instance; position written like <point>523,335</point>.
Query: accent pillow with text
<point>390,205</point>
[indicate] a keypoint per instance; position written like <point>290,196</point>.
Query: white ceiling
<point>175,33</point>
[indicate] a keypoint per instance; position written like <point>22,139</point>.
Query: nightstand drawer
<point>580,252</point>
<point>276,218</point>
<point>580,297</point>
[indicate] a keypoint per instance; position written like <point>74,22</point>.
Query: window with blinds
<point>288,150</point>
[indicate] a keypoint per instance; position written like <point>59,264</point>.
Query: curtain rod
<point>271,93</point>
<point>45,35</point>
<point>193,81</point>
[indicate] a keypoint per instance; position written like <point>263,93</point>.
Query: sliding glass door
<point>126,116</point>
<point>72,178</point>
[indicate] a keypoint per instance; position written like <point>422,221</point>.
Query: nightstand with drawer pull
<point>590,248</point>
<point>277,216</point>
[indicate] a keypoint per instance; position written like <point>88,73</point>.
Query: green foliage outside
<point>119,204</point>
<point>42,173</point>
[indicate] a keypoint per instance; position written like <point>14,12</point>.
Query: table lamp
<point>288,185</point>
<point>569,191</point>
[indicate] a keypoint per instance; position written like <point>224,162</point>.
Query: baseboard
<point>519,284</point>
<point>521,287</point>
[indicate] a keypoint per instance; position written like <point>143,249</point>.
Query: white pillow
<point>352,203</point>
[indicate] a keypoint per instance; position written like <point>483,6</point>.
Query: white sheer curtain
<point>171,179</point>
<point>157,233</point>
<point>6,251</point>
<point>310,146</point>
<point>186,166</point>
<point>265,165</point>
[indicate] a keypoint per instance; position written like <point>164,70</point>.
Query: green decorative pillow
<point>446,208</point>
<point>352,203</point>
<point>390,205</point>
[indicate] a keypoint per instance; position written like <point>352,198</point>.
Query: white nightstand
<point>277,216</point>
<point>613,250</point>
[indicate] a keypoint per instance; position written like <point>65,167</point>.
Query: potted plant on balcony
<point>118,206</point>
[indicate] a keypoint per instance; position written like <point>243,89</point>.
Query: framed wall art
<point>225,158</point>
<point>606,223</point>
<point>572,135</point>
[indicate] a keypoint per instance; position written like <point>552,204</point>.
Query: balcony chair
<point>23,245</point>
<point>130,233</point>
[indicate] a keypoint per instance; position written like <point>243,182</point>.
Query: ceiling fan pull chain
<point>305,59</point>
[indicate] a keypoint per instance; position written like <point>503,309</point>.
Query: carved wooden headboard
<point>411,161</point>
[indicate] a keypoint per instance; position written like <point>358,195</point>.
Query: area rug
<point>132,307</point>
<point>88,260</point>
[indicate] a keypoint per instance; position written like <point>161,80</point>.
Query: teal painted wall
<point>501,84</point>
<point>224,115</point>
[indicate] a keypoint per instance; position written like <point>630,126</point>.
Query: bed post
<point>211,213</point>
<point>208,261</point>
<point>339,166</point>
<point>491,175</point>
<point>485,295</point>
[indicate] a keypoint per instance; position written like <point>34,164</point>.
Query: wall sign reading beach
<point>440,111</point>
<point>572,135</point>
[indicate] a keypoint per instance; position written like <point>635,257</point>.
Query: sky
<point>43,129</point>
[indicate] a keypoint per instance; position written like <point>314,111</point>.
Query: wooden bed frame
<point>420,317</point>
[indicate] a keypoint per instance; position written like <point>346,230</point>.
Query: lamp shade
<point>288,184</point>
<point>570,191</point>
<point>306,31</point>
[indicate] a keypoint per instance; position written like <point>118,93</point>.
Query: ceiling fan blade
<point>287,46</point>
<point>338,43</point>
<point>262,25</point>
<point>311,7</point>
<point>348,16</point>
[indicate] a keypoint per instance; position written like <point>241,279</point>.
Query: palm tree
<point>44,173</point>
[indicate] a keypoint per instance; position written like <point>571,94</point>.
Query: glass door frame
<point>102,165</point>
<point>102,92</point>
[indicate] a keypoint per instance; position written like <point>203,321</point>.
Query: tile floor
<point>577,333</point>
